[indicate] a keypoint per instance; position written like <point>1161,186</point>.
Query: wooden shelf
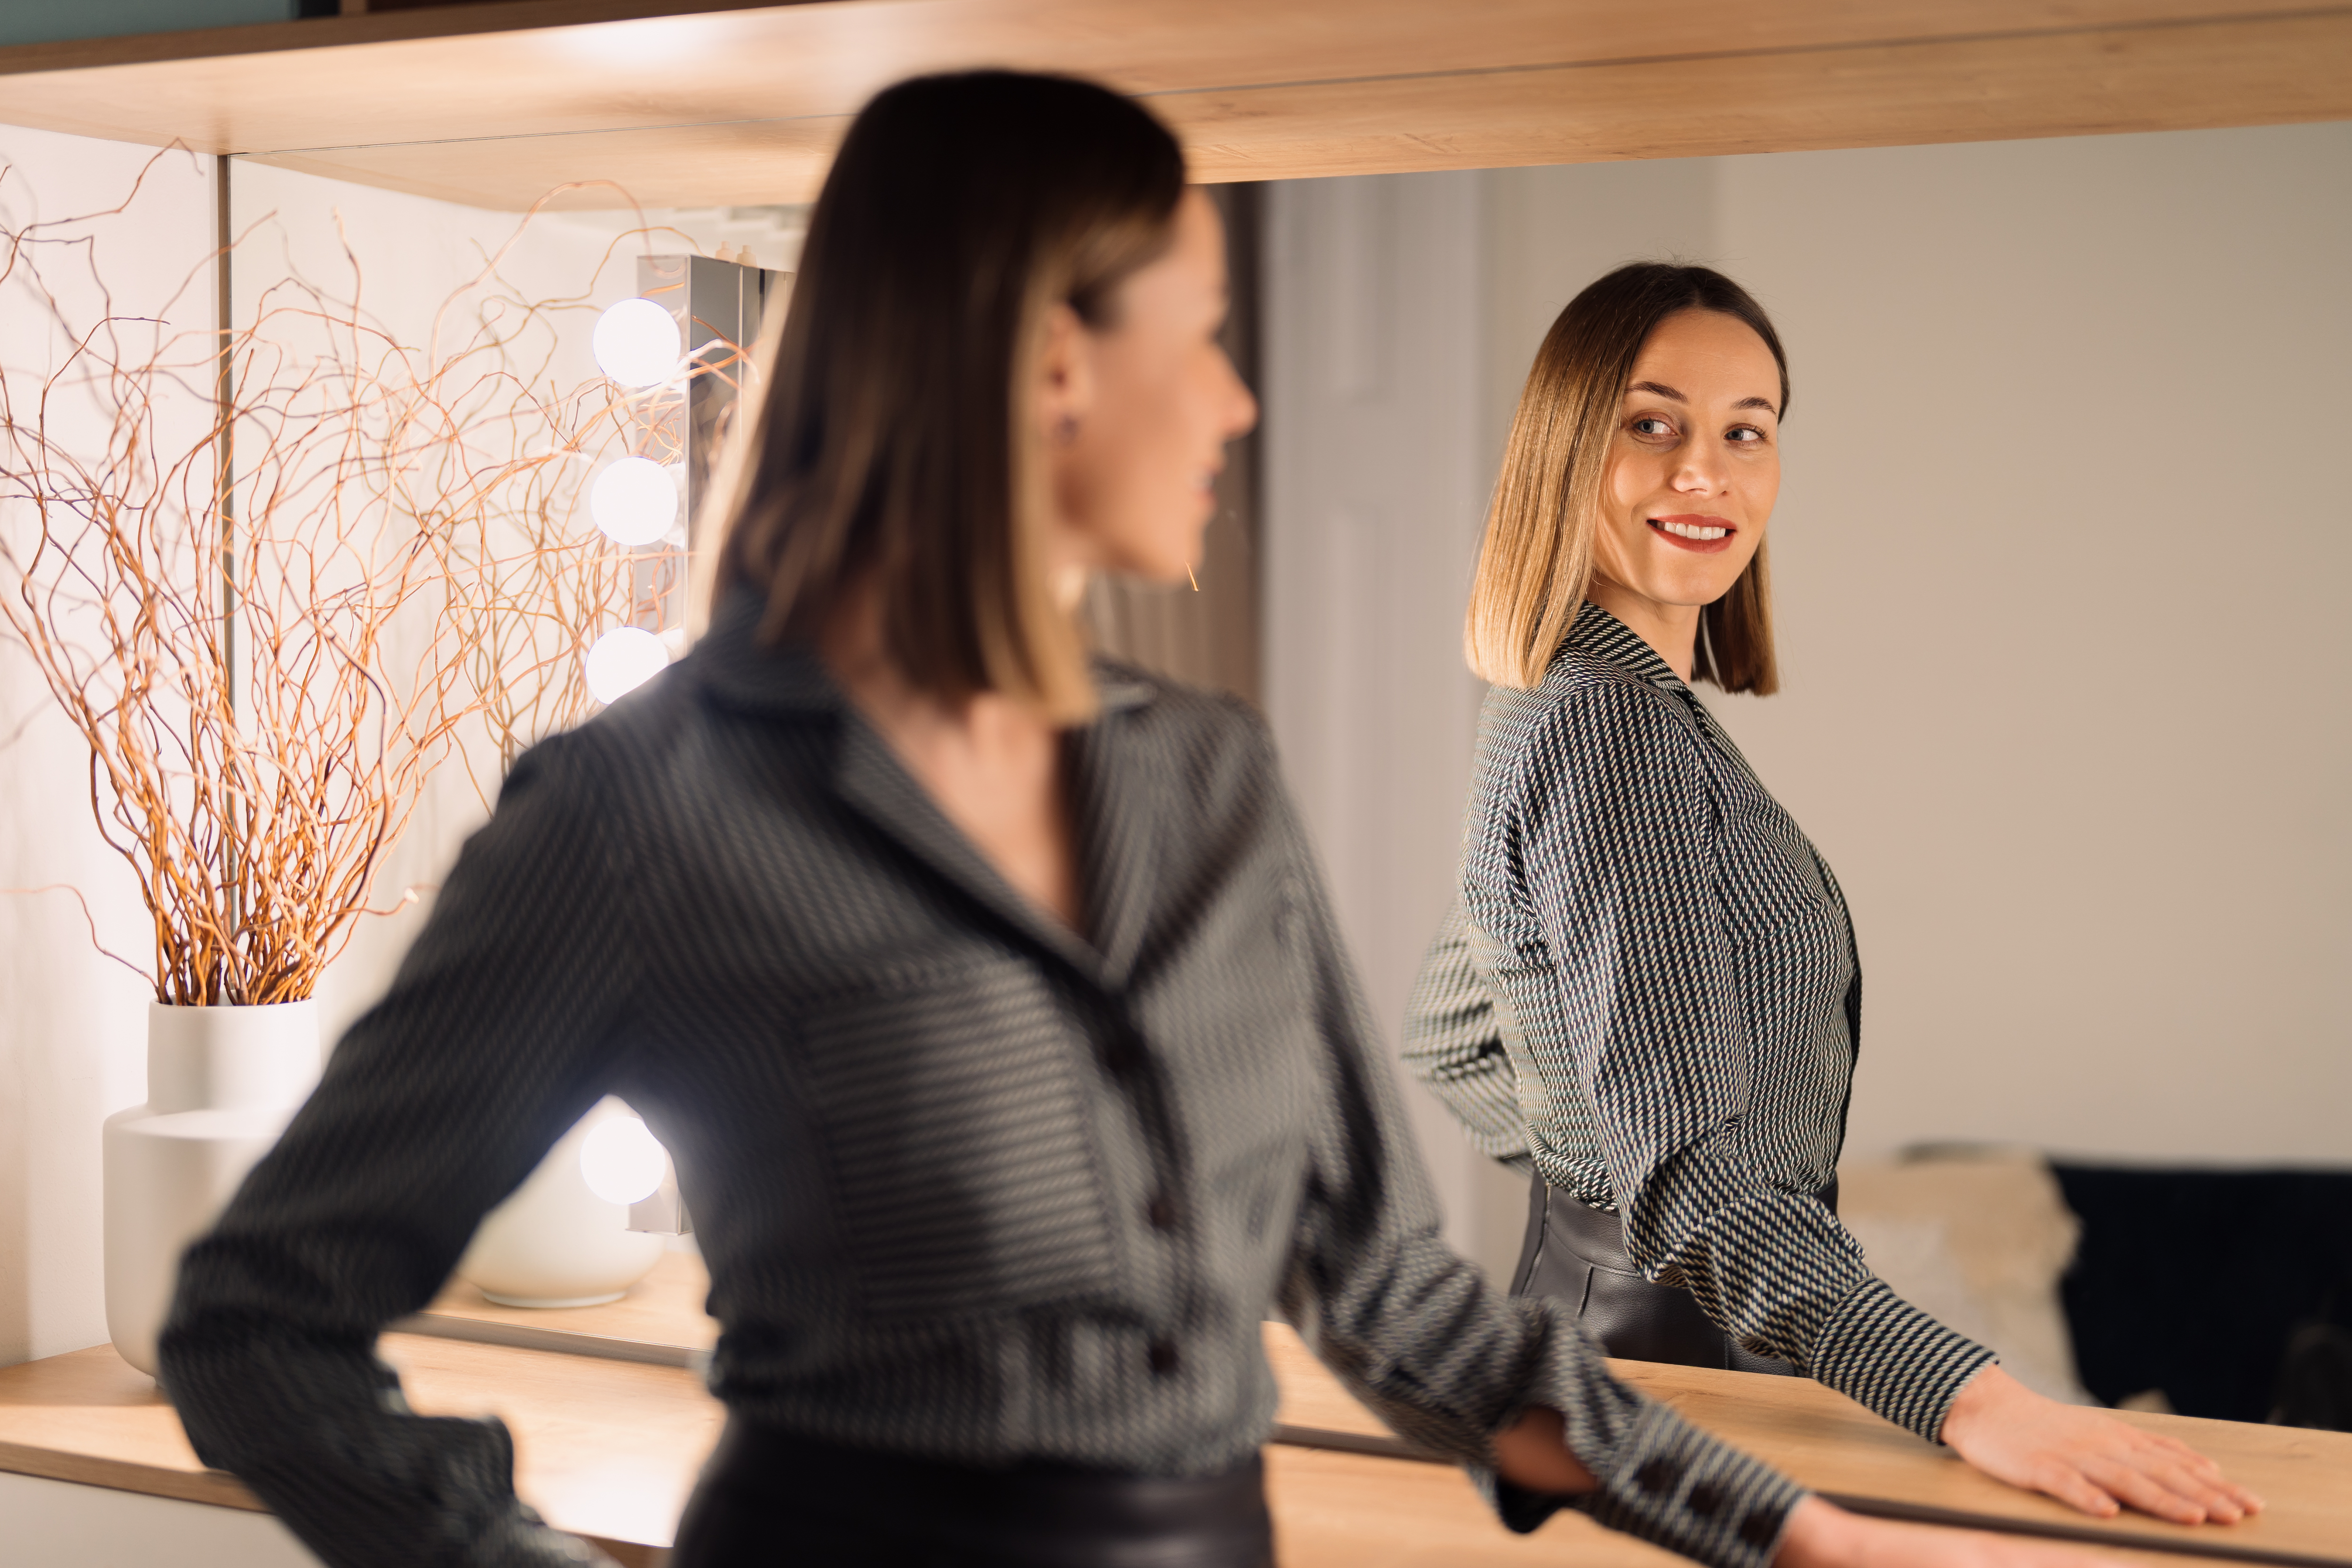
<point>494,105</point>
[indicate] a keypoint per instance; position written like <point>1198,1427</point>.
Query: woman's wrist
<point>1817,1535</point>
<point>1532,1452</point>
<point>1981,1401</point>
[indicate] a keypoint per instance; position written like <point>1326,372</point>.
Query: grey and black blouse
<point>970,1188</point>
<point>1648,993</point>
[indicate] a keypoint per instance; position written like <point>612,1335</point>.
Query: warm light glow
<point>622,660</point>
<point>636,343</point>
<point>621,1162</point>
<point>635,500</point>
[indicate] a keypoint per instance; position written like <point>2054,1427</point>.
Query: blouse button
<point>1162,1356</point>
<point>1658,1476</point>
<point>1161,1212</point>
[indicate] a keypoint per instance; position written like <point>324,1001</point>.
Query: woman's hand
<point>1820,1536</point>
<point>2086,1458</point>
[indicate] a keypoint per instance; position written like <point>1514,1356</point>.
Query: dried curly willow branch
<point>267,672</point>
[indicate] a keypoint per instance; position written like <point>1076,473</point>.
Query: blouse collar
<point>1602,635</point>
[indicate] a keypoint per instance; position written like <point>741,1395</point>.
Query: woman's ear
<point>1066,377</point>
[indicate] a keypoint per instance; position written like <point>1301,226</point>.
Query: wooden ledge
<point>612,1426</point>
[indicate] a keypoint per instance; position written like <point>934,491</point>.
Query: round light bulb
<point>636,343</point>
<point>621,1162</point>
<point>621,660</point>
<point>635,500</point>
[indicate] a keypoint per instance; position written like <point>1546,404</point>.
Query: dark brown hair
<point>897,436</point>
<point>1536,559</point>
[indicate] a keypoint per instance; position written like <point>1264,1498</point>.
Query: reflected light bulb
<point>621,660</point>
<point>636,343</point>
<point>635,500</point>
<point>621,1162</point>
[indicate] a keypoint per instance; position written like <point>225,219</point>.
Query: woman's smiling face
<point>1695,466</point>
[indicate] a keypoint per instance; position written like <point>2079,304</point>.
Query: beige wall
<point>2060,563</point>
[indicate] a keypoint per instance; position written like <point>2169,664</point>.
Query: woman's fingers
<point>2150,1493</point>
<point>2203,1479</point>
<point>2069,1485</point>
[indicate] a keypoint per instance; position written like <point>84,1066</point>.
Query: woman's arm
<point>1454,1044</point>
<point>494,1037</point>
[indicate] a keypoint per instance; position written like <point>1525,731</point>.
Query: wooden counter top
<point>608,1443</point>
<point>609,1449</point>
<point>1833,1446</point>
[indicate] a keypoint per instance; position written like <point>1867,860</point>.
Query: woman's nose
<point>1700,470</point>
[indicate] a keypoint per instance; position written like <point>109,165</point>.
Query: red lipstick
<point>1694,527</point>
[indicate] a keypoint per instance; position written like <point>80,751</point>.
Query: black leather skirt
<point>768,1498</point>
<point>1577,1254</point>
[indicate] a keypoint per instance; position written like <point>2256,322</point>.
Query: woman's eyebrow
<point>1660,388</point>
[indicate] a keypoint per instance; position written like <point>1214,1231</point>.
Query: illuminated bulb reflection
<point>635,500</point>
<point>636,343</point>
<point>622,660</point>
<point>621,1162</point>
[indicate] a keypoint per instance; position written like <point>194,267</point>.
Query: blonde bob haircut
<point>1536,561</point>
<point>897,442</point>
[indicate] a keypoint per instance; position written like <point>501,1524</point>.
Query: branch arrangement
<point>276,574</point>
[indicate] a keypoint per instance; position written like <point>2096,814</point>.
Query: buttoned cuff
<point>1673,1486</point>
<point>1880,1351</point>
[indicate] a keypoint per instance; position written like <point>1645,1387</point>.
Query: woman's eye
<point>1652,425</point>
<point>1745,432</point>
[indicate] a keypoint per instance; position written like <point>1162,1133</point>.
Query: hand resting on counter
<point>2086,1458</point>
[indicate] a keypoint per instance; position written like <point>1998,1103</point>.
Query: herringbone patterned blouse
<point>1648,992</point>
<point>970,1188</point>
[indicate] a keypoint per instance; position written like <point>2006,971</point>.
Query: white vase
<point>222,1084</point>
<point>554,1242</point>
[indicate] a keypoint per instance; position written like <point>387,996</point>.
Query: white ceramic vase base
<point>497,1300</point>
<point>222,1084</point>
<point>554,1242</point>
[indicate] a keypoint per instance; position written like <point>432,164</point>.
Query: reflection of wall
<point>2059,557</point>
<point>1374,484</point>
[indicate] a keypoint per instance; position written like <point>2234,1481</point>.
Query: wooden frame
<point>730,104</point>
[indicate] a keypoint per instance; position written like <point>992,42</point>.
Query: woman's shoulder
<point>1587,703</point>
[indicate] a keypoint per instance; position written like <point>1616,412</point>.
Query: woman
<point>988,1000</point>
<point>1648,995</point>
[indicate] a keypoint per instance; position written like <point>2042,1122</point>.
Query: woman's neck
<point>1670,630</point>
<point>992,765</point>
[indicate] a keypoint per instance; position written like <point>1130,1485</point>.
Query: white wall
<point>72,1024</point>
<point>2059,564</point>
